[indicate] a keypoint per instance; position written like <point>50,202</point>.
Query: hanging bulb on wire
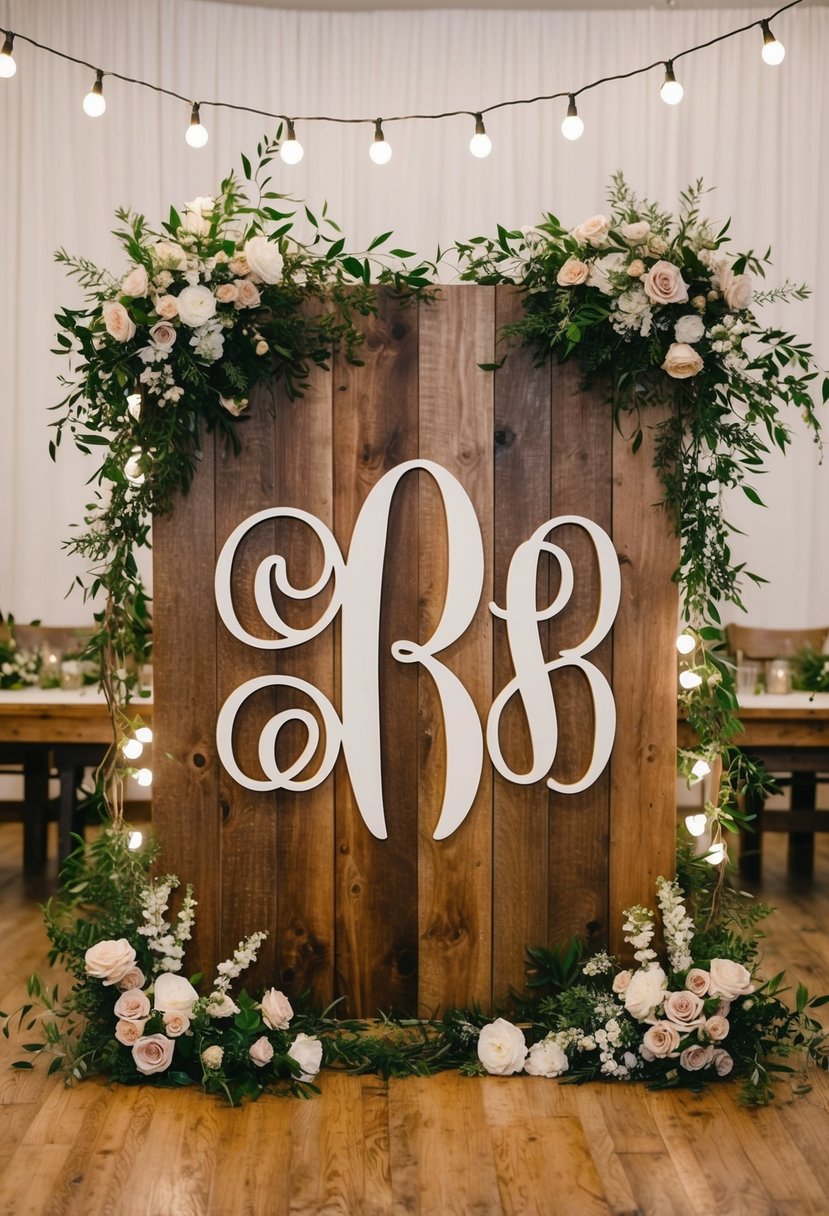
<point>292,150</point>
<point>7,65</point>
<point>685,643</point>
<point>94,103</point>
<point>690,679</point>
<point>672,91</point>
<point>773,51</point>
<point>196,135</point>
<point>572,127</point>
<point>380,151</point>
<point>480,144</point>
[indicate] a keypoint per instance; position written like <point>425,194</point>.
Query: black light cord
<point>476,114</point>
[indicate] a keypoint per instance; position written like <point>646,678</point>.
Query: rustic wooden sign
<point>409,921</point>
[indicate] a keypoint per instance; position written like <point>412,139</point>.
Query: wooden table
<point>42,729</point>
<point>788,734</point>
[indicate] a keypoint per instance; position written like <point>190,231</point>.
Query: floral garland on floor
<point>212,307</point>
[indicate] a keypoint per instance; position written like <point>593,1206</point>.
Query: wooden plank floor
<point>440,1146</point>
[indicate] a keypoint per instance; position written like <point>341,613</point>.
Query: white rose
<point>110,960</point>
<point>593,231</point>
<point>306,1049</point>
<point>502,1048</point>
<point>196,216</point>
<point>117,321</point>
<point>696,1057</point>
<point>176,1024</point>
<point>261,1052</point>
<point>264,259</point>
<point>698,981</point>
<point>659,1041</point>
<point>276,1010</point>
<point>683,1007</point>
<point>127,1032</point>
<point>247,295</point>
<point>163,335</point>
<point>196,305</point>
<point>572,273</point>
<point>729,979</point>
<point>657,245</point>
<point>546,1059</point>
<point>221,1005</point>
<point>153,1054</point>
<point>664,284</point>
<point>689,328</point>
<point>167,307</point>
<point>635,233</point>
<point>682,361</point>
<point>174,994</point>
<point>212,1056</point>
<point>132,1006</point>
<point>136,283</point>
<point>168,255</point>
<point>646,992</point>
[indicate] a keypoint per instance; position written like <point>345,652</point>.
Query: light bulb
<point>696,824</point>
<point>144,776</point>
<point>7,65</point>
<point>132,467</point>
<point>685,643</point>
<point>135,840</point>
<point>716,854</point>
<point>144,734</point>
<point>292,150</point>
<point>196,135</point>
<point>572,127</point>
<point>480,144</point>
<point>380,151</point>
<point>701,769</point>
<point>690,679</point>
<point>132,748</point>
<point>94,103</point>
<point>134,406</point>
<point>773,51</point>
<point>672,91</point>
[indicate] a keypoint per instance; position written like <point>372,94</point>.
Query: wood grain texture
<point>186,812</point>
<point>375,429</point>
<point>643,788</point>
<point>521,502</point>
<point>456,428</point>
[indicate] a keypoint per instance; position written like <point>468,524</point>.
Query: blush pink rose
<point>593,231</point>
<point>163,335</point>
<point>136,283</point>
<point>176,1024</point>
<point>659,1041</point>
<point>722,1061</point>
<point>698,981</point>
<point>683,1007</point>
<point>696,1057</point>
<point>133,1005</point>
<point>110,961</point>
<point>276,1010</point>
<point>247,295</point>
<point>134,978</point>
<point>167,307</point>
<point>261,1052</point>
<point>239,264</point>
<point>664,284</point>
<point>729,979</point>
<point>117,321</point>
<point>226,293</point>
<point>621,981</point>
<point>717,1027</point>
<point>153,1054</point>
<point>127,1032</point>
<point>572,273</point>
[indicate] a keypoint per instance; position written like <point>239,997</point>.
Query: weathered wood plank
<point>456,427</point>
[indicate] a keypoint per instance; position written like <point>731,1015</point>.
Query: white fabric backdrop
<point>755,132</point>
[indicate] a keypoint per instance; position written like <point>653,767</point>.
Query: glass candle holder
<point>778,676</point>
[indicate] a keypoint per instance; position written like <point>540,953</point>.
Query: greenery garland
<point>212,307</point>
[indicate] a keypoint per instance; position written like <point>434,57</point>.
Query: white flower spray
<point>164,941</point>
<point>638,930</point>
<point>677,924</point>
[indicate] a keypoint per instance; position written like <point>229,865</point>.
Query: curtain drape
<point>753,132</point>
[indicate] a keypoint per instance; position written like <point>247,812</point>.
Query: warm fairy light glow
<point>144,776</point>
<point>145,734</point>
<point>773,51</point>
<point>696,824</point>
<point>480,144</point>
<point>379,151</point>
<point>196,135</point>
<point>672,91</point>
<point>572,127</point>
<point>7,65</point>
<point>685,643</point>
<point>132,748</point>
<point>94,103</point>
<point>701,769</point>
<point>690,679</point>
<point>716,854</point>
<point>292,150</point>
<point>135,841</point>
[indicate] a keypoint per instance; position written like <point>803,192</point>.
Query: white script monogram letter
<point>356,594</point>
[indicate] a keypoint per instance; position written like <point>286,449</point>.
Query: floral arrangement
<point>131,1014</point>
<point>19,667</point>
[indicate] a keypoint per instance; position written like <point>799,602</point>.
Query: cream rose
<point>127,1032</point>
<point>696,1057</point>
<point>168,255</point>
<point>109,961</point>
<point>174,994</point>
<point>167,307</point>
<point>636,268</point>
<point>729,979</point>
<point>134,978</point>
<point>546,1059</point>
<point>689,328</point>
<point>572,273</point>
<point>621,982</point>
<point>306,1049</point>
<point>502,1048</point>
<point>233,406</point>
<point>717,1027</point>
<point>264,259</point>
<point>636,233</point>
<point>698,981</point>
<point>117,321</point>
<point>698,303</point>
<point>221,1005</point>
<point>683,1007</point>
<point>593,231</point>
<point>659,1041</point>
<point>276,1010</point>
<point>196,305</point>
<point>196,216</point>
<point>212,1056</point>
<point>163,335</point>
<point>682,361</point>
<point>646,992</point>
<point>722,1061</point>
<point>247,295</point>
<point>153,1054</point>
<point>133,1006</point>
<point>176,1024</point>
<point>226,293</point>
<point>239,264</point>
<point>664,284</point>
<point>261,1052</point>
<point>136,283</point>
<point>736,288</point>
